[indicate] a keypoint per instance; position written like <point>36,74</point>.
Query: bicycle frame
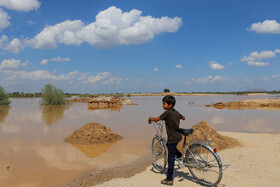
<point>159,135</point>
<point>194,156</point>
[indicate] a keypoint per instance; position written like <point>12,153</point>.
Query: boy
<point>174,136</point>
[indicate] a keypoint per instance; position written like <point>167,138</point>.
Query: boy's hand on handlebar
<point>155,119</point>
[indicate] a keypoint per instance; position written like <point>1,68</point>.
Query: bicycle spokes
<point>204,165</point>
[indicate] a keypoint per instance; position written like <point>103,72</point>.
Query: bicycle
<point>202,161</point>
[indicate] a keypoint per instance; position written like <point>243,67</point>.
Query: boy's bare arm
<point>155,119</point>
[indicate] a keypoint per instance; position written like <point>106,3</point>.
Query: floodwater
<point>33,151</point>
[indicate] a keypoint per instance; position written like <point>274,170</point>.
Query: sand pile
<point>93,134</point>
<point>103,102</point>
<point>204,131</point>
<point>263,104</point>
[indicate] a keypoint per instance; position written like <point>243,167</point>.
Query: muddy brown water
<point>33,151</point>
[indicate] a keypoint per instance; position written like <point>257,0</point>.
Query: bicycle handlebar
<point>160,122</point>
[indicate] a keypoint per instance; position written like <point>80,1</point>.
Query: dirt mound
<point>261,104</point>
<point>93,134</point>
<point>204,131</point>
<point>103,102</point>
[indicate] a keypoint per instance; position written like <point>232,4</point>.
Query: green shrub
<point>52,96</point>
<point>166,90</point>
<point>4,97</point>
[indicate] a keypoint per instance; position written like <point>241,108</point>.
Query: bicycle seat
<point>186,132</point>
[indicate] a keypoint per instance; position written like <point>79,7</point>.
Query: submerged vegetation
<point>4,97</point>
<point>52,96</point>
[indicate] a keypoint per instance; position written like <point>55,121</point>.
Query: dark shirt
<point>172,123</point>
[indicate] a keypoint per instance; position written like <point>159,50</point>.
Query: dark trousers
<point>172,151</point>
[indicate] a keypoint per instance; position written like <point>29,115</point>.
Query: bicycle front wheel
<point>204,165</point>
<point>159,154</point>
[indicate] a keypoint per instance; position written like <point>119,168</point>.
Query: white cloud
<point>33,75</point>
<point>247,79</point>
<point>268,26</point>
<point>12,64</point>
<point>3,41</point>
<point>59,59</point>
<point>259,64</point>
<point>4,20</point>
<point>112,27</point>
<point>30,22</point>
<point>215,66</point>
<point>38,75</point>
<point>44,62</point>
<point>113,81</point>
<point>276,76</point>
<point>20,5</point>
<point>63,32</point>
<point>83,76</point>
<point>179,66</point>
<point>212,79</point>
<point>25,63</point>
<point>11,74</point>
<point>14,46</point>
<point>69,76</point>
<point>155,69</point>
<point>265,78</point>
<point>255,57</point>
<point>99,77</point>
<point>208,79</point>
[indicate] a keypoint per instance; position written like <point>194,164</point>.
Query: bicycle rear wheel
<point>159,154</point>
<point>204,165</point>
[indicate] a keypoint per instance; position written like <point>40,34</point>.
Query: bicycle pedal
<point>180,164</point>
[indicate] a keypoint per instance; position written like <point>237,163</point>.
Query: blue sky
<point>129,46</point>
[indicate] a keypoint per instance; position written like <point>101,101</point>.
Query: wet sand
<point>256,163</point>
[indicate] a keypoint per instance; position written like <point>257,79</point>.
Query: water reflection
<point>25,135</point>
<point>61,156</point>
<point>111,108</point>
<point>217,120</point>
<point>51,114</point>
<point>4,111</point>
<point>92,151</point>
